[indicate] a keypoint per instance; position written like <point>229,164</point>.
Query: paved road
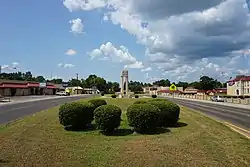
<point>12,112</point>
<point>233,115</point>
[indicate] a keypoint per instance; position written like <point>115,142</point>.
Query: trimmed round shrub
<point>97,102</point>
<point>76,114</point>
<point>113,96</point>
<point>102,94</point>
<point>143,117</point>
<point>136,96</point>
<point>140,102</point>
<point>107,117</point>
<point>169,112</point>
<point>154,96</point>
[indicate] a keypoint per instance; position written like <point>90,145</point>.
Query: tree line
<point>205,82</point>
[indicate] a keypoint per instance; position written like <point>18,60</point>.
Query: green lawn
<point>40,140</point>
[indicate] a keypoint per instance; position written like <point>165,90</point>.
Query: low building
<point>169,92</point>
<point>240,86</point>
<point>25,88</point>
<point>190,91</point>
<point>74,90</point>
<point>91,91</point>
<point>154,90</point>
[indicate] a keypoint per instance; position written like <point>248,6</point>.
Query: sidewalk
<point>211,102</point>
<point>23,99</point>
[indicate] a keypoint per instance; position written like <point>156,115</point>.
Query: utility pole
<point>77,82</point>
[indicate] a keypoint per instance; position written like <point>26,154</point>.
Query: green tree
<point>135,86</point>
<point>75,82</point>
<point>40,79</point>
<point>162,82</point>
<point>182,84</point>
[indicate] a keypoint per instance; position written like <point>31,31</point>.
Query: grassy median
<point>40,140</point>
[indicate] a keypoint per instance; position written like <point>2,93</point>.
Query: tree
<point>162,82</point>
<point>182,84</point>
<point>98,82</point>
<point>135,86</point>
<point>75,82</point>
<point>56,81</point>
<point>28,76</point>
<point>195,85</point>
<point>40,79</point>
<point>207,83</point>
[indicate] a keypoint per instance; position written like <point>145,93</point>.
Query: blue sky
<point>177,43</point>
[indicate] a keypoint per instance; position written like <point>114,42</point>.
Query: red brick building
<point>25,88</point>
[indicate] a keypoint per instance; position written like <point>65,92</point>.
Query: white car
<point>61,93</point>
<point>218,99</point>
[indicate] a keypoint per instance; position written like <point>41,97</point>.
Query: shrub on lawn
<point>169,112</point>
<point>102,94</point>
<point>98,102</point>
<point>154,96</point>
<point>136,96</point>
<point>107,117</point>
<point>140,102</point>
<point>113,96</point>
<point>143,117</point>
<point>76,114</point>
<point>158,100</point>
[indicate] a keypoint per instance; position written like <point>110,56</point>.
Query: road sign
<point>172,87</point>
<point>65,84</point>
<point>42,85</point>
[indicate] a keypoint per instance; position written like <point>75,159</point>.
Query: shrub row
<point>143,115</point>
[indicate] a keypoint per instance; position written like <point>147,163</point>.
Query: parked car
<point>218,98</point>
<point>62,93</point>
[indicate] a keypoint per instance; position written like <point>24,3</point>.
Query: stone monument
<point>124,83</point>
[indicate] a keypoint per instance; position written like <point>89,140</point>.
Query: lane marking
<point>247,131</point>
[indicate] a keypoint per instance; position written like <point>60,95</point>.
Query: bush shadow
<point>157,131</point>
<point>119,132</point>
<point>4,161</point>
<point>90,127</point>
<point>179,125</point>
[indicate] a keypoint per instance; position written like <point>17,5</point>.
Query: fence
<point>245,101</point>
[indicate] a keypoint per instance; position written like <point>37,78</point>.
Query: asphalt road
<point>12,112</point>
<point>233,115</point>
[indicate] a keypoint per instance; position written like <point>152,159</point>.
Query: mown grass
<point>40,140</point>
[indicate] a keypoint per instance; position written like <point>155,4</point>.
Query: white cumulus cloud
<point>70,52</point>
<point>74,5</point>
<point>76,26</point>
<point>117,55</point>
<point>65,65</point>
<point>183,39</point>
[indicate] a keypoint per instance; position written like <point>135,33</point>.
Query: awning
<point>20,86</point>
<point>33,84</point>
<point>51,87</point>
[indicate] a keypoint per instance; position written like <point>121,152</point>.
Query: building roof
<point>241,78</point>
<point>13,86</point>
<point>22,84</point>
<point>220,90</point>
<point>169,91</point>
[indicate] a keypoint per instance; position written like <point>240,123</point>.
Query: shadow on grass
<point>179,125</point>
<point>90,127</point>
<point>4,161</point>
<point>156,131</point>
<point>119,132</point>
